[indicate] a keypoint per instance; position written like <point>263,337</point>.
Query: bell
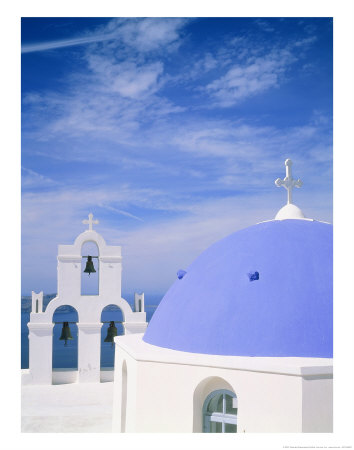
<point>89,266</point>
<point>111,332</point>
<point>65,333</point>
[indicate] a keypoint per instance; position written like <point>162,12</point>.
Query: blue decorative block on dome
<point>180,274</point>
<point>286,312</point>
<point>253,276</point>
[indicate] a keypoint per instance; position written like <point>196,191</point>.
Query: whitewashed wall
<point>169,397</point>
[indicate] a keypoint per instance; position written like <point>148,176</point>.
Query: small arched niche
<point>110,313</point>
<point>203,393</point>
<point>65,354</point>
<point>90,281</point>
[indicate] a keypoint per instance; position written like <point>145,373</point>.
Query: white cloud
<point>145,34</point>
<point>112,101</point>
<point>305,42</point>
<point>265,25</point>
<point>151,33</point>
<point>253,77</point>
<point>32,179</point>
<point>127,78</point>
<point>134,83</point>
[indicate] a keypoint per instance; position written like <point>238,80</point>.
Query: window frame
<point>218,417</point>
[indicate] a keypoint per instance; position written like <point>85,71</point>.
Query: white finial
<point>289,211</point>
<point>90,221</point>
<point>288,183</point>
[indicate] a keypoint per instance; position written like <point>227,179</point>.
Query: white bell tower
<point>88,307</point>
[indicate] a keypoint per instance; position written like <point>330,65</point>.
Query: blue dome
<point>222,306</point>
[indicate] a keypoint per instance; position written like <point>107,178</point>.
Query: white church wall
<point>117,392</point>
<point>268,402</point>
<point>40,343</point>
<point>317,404</point>
<point>169,397</point>
<point>167,392</point>
<point>107,374</point>
<point>125,393</point>
<point>69,277</point>
<point>89,352</point>
<point>110,275</point>
<point>64,376</point>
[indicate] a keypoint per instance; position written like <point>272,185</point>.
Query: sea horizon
<point>66,356</point>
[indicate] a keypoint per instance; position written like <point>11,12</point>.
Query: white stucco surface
<point>67,408</point>
<point>162,390</point>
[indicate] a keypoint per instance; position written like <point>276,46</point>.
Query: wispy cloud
<point>127,79</point>
<point>32,179</point>
<point>122,92</point>
<point>208,154</point>
<point>43,46</point>
<point>264,25</point>
<point>149,34</point>
<point>305,42</point>
<point>246,80</point>
<point>114,98</point>
<point>120,211</point>
<point>144,35</point>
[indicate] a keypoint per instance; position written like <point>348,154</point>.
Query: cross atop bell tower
<point>90,221</point>
<point>288,182</point>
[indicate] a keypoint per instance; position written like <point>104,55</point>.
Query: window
<point>220,412</point>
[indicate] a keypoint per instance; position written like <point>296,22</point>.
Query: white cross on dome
<point>289,211</point>
<point>288,182</point>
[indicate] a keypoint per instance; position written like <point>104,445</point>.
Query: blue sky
<point>171,132</point>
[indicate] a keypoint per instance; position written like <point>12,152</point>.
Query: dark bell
<point>65,333</point>
<point>89,266</point>
<point>111,332</point>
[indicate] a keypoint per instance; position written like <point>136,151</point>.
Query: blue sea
<point>66,356</point>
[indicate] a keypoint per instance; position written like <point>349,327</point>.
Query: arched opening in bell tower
<point>110,313</point>
<point>65,338</point>
<point>89,269</point>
